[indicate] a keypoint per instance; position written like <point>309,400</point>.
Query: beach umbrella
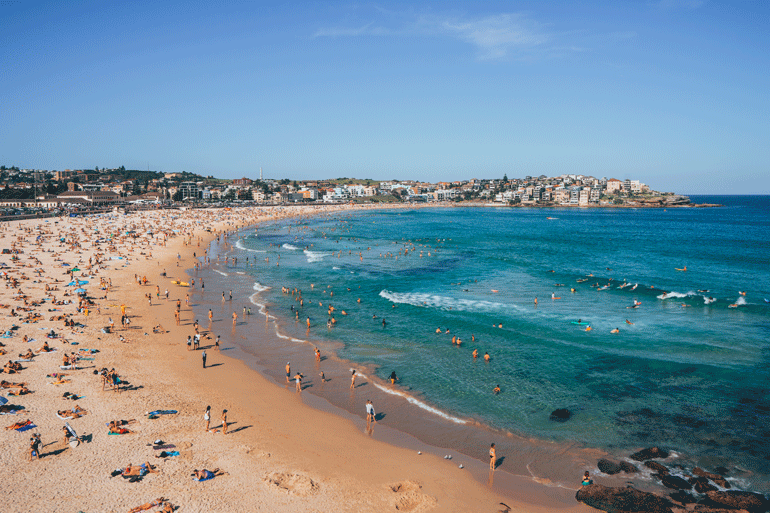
<point>75,268</point>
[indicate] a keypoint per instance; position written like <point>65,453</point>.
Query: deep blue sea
<point>688,369</point>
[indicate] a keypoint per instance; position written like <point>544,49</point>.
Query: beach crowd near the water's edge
<point>117,405</point>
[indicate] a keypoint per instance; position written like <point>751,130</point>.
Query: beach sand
<point>280,453</point>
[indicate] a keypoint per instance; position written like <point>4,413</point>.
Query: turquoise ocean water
<point>689,370</point>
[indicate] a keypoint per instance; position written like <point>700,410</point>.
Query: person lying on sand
<point>140,470</point>
<point>202,475</point>
<point>21,391</point>
<point>115,427</point>
<point>76,412</point>
<point>20,424</point>
<point>9,384</point>
<point>144,507</point>
<point>28,355</point>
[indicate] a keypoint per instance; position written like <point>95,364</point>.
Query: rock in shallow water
<point>657,467</point>
<point>674,482</point>
<point>561,415</point>
<point>648,454</point>
<point>622,500</point>
<point>721,481</point>
<point>611,467</point>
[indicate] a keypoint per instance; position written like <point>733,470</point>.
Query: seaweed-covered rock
<point>622,500</point>
<point>649,454</point>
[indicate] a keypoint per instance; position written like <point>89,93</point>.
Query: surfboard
<point>580,323</point>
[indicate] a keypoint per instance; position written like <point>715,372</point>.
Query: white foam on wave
<point>336,268</point>
<point>261,306</point>
<point>315,256</point>
<point>220,272</point>
<point>240,245</point>
<point>669,295</point>
<point>708,300</point>
<point>259,287</point>
<point>444,302</point>
<point>289,246</point>
<point>418,403</point>
<point>741,301</point>
<point>286,337</point>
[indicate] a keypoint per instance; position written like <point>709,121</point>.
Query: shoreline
<point>296,456</point>
<point>534,459</point>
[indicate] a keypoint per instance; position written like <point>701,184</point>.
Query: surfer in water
<point>629,322</point>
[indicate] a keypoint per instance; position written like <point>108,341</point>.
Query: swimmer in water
<point>475,353</point>
<point>487,357</point>
<point>496,390</point>
<point>588,328</point>
<point>616,330</point>
<point>628,322</point>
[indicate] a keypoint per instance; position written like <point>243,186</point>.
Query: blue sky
<point>672,92</point>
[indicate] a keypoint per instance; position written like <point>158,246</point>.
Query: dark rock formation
<point>721,481</point>
<point>608,466</point>
<point>752,502</point>
<point>622,500</point>
<point>703,508</point>
<point>628,468</point>
<point>657,467</point>
<point>648,454</point>
<point>683,498</point>
<point>561,415</point>
<point>701,484</point>
<point>674,482</point>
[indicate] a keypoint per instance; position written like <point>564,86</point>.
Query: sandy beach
<point>282,451</point>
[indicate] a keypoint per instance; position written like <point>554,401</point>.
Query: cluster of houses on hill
<point>117,186</point>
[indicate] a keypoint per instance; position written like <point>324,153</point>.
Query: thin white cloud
<point>493,36</point>
<point>496,36</point>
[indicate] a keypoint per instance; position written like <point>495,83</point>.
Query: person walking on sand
<point>224,422</point>
<point>203,356</point>
<point>288,372</point>
<point>207,417</point>
<point>492,457</point>
<point>353,380</point>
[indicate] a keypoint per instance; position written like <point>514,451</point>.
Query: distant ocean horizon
<point>688,368</point>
